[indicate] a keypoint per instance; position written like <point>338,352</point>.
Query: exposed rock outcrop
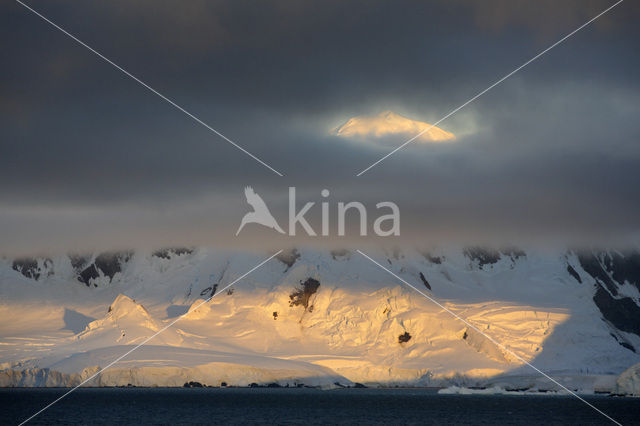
<point>33,268</point>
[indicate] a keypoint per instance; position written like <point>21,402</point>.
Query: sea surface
<point>305,406</point>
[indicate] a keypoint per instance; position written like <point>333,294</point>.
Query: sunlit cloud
<point>388,124</point>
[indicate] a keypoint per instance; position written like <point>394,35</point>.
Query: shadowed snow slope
<point>571,314</point>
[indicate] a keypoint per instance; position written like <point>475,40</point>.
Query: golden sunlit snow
<point>389,124</point>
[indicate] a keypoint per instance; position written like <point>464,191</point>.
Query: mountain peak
<point>126,308</point>
<point>390,124</point>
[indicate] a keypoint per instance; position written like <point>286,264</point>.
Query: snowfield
<point>322,318</point>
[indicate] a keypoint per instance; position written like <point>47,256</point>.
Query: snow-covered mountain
<point>326,318</point>
<point>388,124</point>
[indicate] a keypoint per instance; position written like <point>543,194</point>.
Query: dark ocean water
<point>305,406</point>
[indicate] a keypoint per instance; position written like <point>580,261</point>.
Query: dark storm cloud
<point>89,157</point>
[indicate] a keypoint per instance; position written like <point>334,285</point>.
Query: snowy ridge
<point>320,318</point>
<point>389,124</point>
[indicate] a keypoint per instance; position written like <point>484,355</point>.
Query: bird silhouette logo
<point>260,214</point>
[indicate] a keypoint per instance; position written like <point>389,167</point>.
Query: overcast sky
<point>91,159</point>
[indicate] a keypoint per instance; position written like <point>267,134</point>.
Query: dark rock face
<point>424,281</point>
<point>627,345</point>
<point>169,252</point>
<point>31,268</point>
<point>211,290</point>
<point>574,273</point>
<point>105,264</point>
<point>623,342</point>
<point>433,259</point>
<point>487,256</point>
<point>396,253</point>
<point>288,257</point>
<point>340,254</point>
<point>89,274</point>
<point>301,296</point>
<point>403,338</point>
<point>79,262</point>
<point>193,385</point>
<point>513,252</point>
<point>609,271</point>
<point>111,263</point>
<point>28,267</point>
<point>592,266</point>
<point>612,268</point>
<point>622,313</point>
<point>483,256</point>
<point>624,267</point>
